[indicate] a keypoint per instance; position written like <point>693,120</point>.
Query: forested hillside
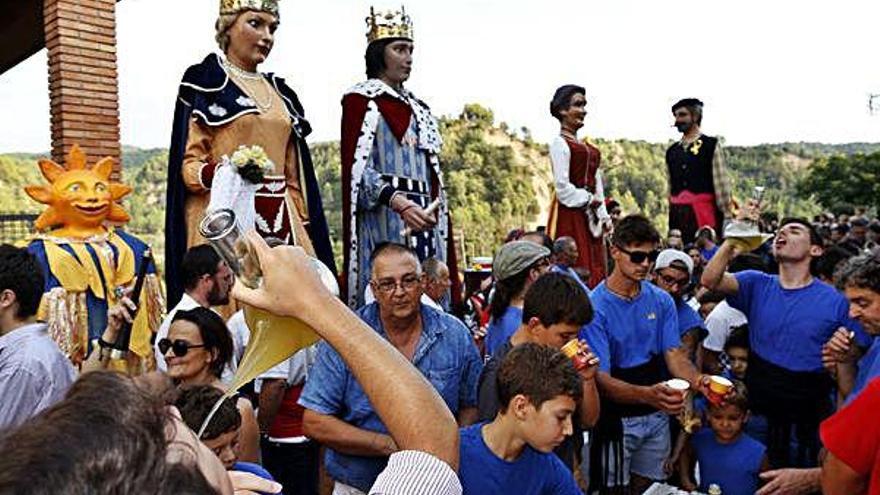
<point>499,178</point>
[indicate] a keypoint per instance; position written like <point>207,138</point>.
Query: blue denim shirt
<point>445,355</point>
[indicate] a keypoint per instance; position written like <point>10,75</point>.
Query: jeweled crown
<point>236,6</point>
<point>389,24</point>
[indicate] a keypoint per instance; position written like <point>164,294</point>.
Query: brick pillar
<point>83,90</point>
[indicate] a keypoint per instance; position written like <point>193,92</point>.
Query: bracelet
<point>103,344</point>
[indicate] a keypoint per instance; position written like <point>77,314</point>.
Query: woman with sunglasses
<point>197,349</point>
<point>578,208</point>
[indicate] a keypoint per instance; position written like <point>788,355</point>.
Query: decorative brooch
<point>696,145</point>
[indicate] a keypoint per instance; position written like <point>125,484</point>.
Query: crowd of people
<point>593,355</point>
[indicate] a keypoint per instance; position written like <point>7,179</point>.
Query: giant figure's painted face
<point>80,198</point>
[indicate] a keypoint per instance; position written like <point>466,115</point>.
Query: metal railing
<point>16,228</point>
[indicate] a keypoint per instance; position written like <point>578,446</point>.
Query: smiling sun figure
<point>81,199</point>
<point>89,260</point>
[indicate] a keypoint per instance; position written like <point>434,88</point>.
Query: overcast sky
<point>768,71</point>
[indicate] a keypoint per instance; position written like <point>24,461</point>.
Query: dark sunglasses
<point>179,347</point>
<point>639,257</point>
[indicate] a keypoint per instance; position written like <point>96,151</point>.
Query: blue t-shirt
<point>626,333</point>
<point>869,368</point>
<point>734,467</point>
<point>567,270</point>
<point>688,318</point>
<point>707,254</point>
<point>500,330</point>
<point>532,473</point>
<point>445,355</point>
<point>788,327</point>
<point>250,467</point>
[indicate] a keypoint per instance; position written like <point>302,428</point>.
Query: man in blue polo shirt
<point>791,316</point>
<point>338,413</point>
<point>635,333</point>
<point>860,279</point>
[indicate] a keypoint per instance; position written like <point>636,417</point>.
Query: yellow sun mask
<point>81,199</point>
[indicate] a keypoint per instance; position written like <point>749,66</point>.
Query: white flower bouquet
<point>252,163</point>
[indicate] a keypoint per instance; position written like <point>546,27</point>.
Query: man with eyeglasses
<point>207,281</point>
<point>672,273</point>
<point>338,413</point>
<point>635,333</point>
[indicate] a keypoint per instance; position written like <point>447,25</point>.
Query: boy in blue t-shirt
<point>726,456</point>
<point>791,317</point>
<point>636,334</point>
<point>221,434</point>
<point>538,389</point>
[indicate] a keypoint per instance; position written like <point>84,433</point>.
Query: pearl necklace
<point>238,71</point>
<point>247,79</point>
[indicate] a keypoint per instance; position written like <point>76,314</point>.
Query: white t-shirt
<point>720,322</point>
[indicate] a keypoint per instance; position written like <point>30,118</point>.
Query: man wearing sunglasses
<point>340,415</point>
<point>672,273</point>
<point>635,333</point>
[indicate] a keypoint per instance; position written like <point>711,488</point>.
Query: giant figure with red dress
<point>578,207</point>
<point>391,178</point>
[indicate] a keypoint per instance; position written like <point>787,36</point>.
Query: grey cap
<point>515,257</point>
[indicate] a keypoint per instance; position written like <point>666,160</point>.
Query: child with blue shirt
<point>221,434</point>
<point>538,389</point>
<point>725,454</point>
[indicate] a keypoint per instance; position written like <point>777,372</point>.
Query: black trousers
<point>294,465</point>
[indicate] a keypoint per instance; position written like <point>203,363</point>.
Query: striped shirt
<point>410,472</point>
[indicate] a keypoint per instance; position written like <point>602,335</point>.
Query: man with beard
<point>699,188</point>
<point>791,316</point>
<point>207,280</point>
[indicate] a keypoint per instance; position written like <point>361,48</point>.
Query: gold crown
<point>389,24</point>
<point>236,6</point>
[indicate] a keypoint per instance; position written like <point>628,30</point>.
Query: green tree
<point>854,179</point>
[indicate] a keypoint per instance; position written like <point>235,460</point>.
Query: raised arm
<point>384,373</point>
<point>715,276</point>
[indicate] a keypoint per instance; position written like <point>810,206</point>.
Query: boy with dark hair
<point>737,351</point>
<point>221,434</point>
<point>791,316</point>
<point>727,456</point>
<point>635,334</point>
<point>34,374</point>
<point>539,390</point>
<point>555,309</point>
